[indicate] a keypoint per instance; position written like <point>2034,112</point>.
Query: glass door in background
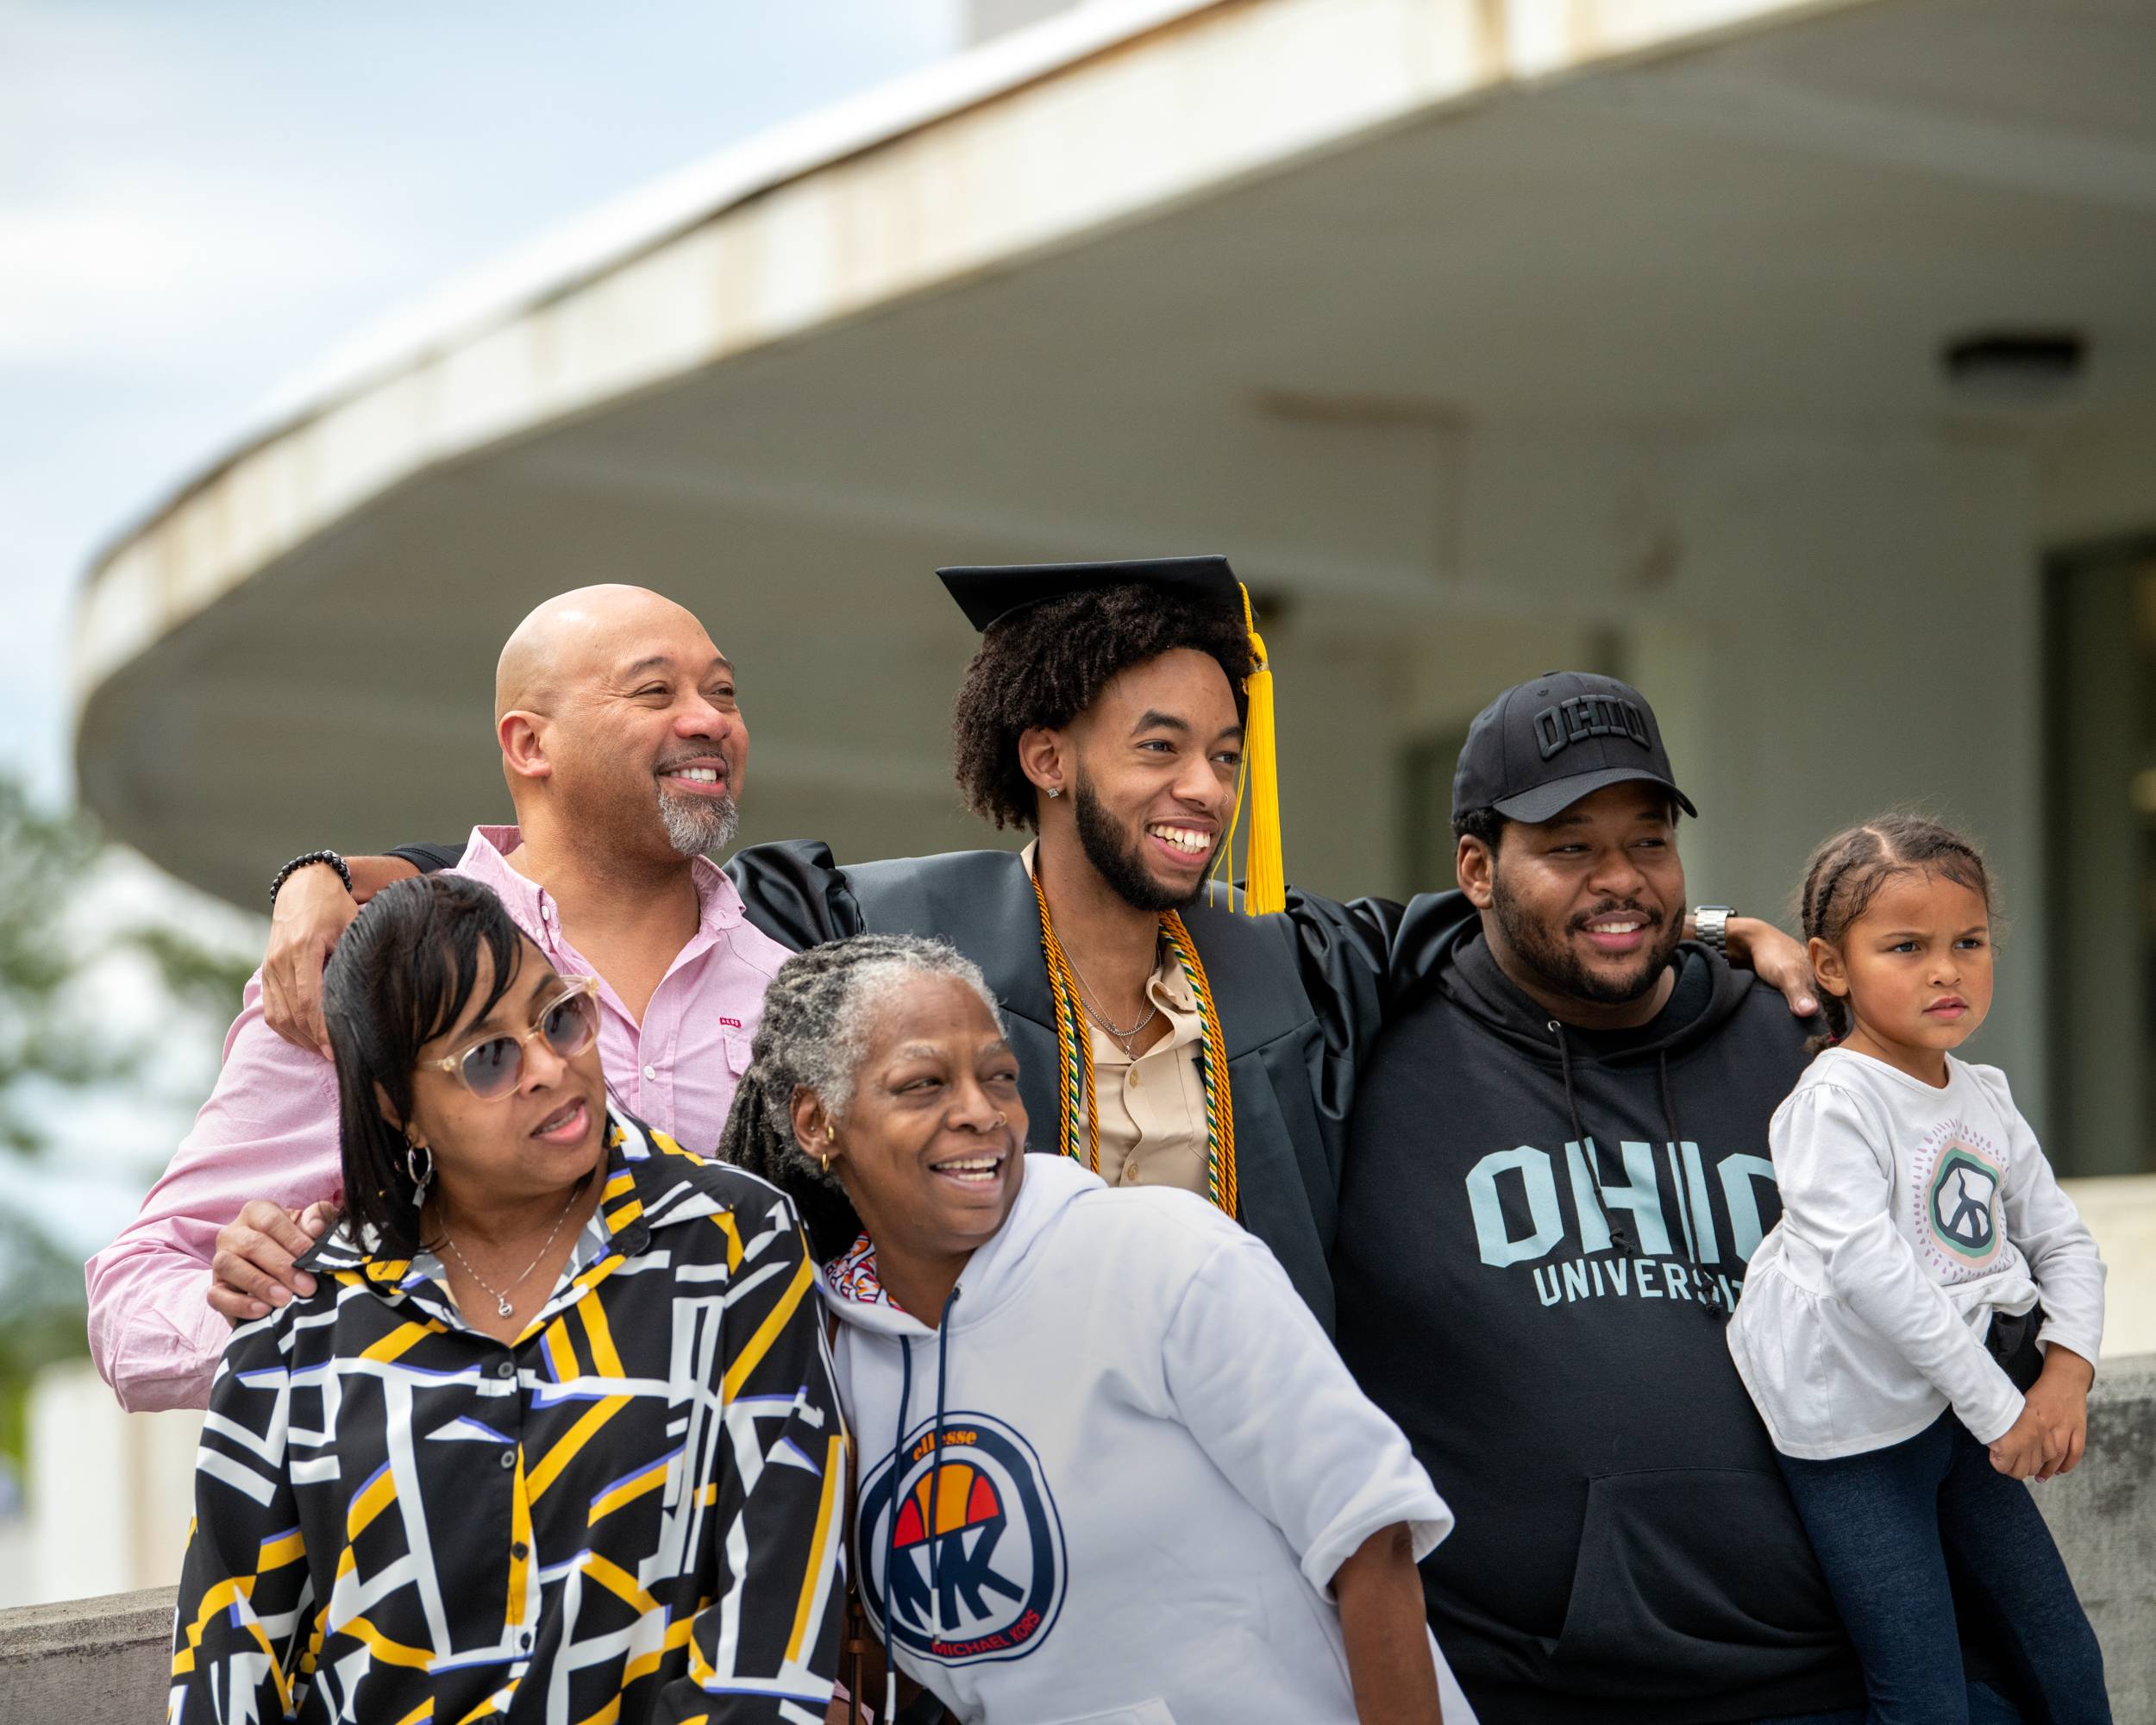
<point>2101,834</point>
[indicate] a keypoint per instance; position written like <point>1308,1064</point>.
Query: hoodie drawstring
<point>1669,1100</point>
<point>936,1465</point>
<point>1710,1296</point>
<point>1564,1064</point>
<point>1710,1299</point>
<point>891,1529</point>
<point>935,1489</point>
<point>1617,1234</point>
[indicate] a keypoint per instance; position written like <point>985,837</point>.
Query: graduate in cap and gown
<point>1170,1028</point>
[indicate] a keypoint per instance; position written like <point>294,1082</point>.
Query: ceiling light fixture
<point>2014,368</point>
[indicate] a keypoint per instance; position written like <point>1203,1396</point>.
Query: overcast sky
<point>197,201</point>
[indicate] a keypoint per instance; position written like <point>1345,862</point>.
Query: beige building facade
<point>1796,361</point>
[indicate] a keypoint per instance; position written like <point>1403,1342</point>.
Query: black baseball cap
<point>1541,746</point>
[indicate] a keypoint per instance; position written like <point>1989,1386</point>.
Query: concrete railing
<point>105,1661</point>
<point>2103,1515</point>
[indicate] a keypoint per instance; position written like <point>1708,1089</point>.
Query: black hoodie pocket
<point>1691,1580</point>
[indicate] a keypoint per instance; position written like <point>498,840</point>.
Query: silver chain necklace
<point>502,1305</point>
<point>1124,1037</point>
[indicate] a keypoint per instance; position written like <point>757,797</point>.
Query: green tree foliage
<point>53,1049</point>
<point>205,983</point>
<point>41,859</point>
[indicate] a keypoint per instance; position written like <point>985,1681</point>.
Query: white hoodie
<point>1153,1463</point>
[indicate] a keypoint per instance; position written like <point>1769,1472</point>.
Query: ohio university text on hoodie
<point>1152,1463</point>
<point>1542,1230</point>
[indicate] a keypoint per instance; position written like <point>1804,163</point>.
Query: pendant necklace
<point>502,1306</point>
<point>1124,1039</point>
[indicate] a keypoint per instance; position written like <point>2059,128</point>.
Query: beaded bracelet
<point>293,867</point>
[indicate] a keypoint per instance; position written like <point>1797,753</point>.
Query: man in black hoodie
<point>1557,1171</point>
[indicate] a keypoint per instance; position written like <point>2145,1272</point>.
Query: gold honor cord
<point>1074,1045</point>
<point>1074,1087</point>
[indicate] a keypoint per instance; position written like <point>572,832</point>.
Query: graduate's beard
<point>1116,858</point>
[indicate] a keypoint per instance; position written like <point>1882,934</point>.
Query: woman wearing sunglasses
<point>554,1436</point>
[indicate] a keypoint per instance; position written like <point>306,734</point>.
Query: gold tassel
<point>1264,874</point>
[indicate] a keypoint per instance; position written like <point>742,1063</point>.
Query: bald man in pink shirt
<point>623,747</point>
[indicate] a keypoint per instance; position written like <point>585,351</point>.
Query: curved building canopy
<point>1478,333</point>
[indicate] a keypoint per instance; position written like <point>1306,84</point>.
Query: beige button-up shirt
<point>1152,1110</point>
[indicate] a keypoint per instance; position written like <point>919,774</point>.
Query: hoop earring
<point>823,1162</point>
<point>420,1176</point>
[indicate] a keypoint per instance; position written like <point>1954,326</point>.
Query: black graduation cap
<point>988,593</point>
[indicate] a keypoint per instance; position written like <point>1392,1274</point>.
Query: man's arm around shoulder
<point>309,915</point>
<point>268,1132</point>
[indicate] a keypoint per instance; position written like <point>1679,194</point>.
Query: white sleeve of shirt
<point>2042,1221</point>
<point>1260,1387</point>
<point>1834,1162</point>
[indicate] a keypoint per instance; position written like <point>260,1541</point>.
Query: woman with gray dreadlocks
<point>1111,1468</point>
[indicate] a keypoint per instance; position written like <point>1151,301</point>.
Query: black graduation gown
<point>1300,997</point>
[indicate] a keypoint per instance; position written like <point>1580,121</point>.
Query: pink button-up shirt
<point>269,1129</point>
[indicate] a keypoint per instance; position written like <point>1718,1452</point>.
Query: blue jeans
<point>1888,1524</point>
<point>1986,1707</point>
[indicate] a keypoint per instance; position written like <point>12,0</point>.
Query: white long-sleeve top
<point>1911,1215</point>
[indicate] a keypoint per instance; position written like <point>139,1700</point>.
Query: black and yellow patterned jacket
<point>633,1513</point>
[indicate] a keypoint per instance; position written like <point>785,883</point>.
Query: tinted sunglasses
<point>489,1069</point>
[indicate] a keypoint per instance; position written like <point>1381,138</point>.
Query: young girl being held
<point>1891,1327</point>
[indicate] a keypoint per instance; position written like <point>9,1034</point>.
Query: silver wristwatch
<point>1711,925</point>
